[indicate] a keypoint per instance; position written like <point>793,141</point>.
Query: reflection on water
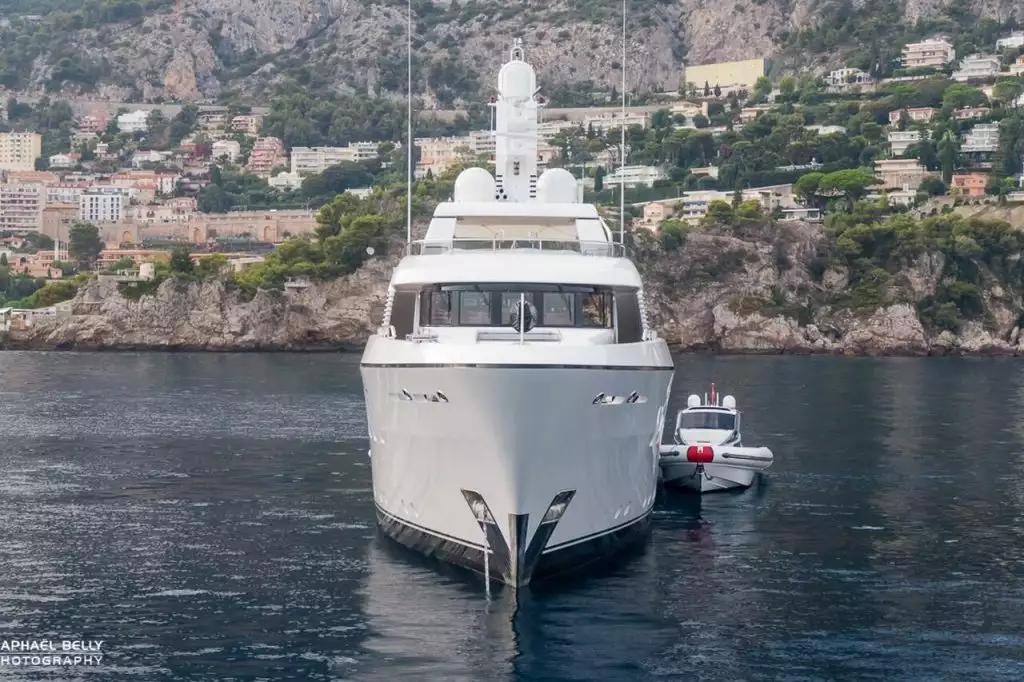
<point>210,517</point>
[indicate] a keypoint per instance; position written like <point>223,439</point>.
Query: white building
<point>822,130</point>
<point>229,149</point>
<point>634,176</point>
<point>1014,41</point>
<point>977,67</point>
<point>901,140</point>
<point>285,180</point>
<point>139,159</point>
<point>311,160</point>
<point>984,137</point>
<point>843,77</point>
<point>63,160</point>
<point>133,122</point>
<point>103,205</point>
<point>933,53</point>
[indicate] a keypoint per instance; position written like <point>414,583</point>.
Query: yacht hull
<point>518,459</point>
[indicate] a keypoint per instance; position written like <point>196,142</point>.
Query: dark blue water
<point>209,517</point>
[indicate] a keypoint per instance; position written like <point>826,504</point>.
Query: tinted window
<point>509,302</point>
<point>474,308</point>
<point>597,310</point>
<point>709,420</point>
<point>559,309</point>
<point>490,305</point>
<point>439,308</point>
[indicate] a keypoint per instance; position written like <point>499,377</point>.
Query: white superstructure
<point>515,393</point>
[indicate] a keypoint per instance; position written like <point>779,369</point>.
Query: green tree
<point>1008,90</point>
<point>84,243</point>
<point>181,261</point>
<point>852,183</point>
<point>599,174</point>
<point>213,265</point>
<point>933,187</point>
<point>960,95</point>
<point>948,149</point>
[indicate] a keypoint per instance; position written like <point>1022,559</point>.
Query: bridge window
<point>437,308</point>
<point>492,305</point>
<point>475,308</point>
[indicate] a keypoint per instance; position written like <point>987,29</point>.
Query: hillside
<point>127,50</point>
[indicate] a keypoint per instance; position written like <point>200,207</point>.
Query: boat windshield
<point>723,421</point>
<point>492,305</point>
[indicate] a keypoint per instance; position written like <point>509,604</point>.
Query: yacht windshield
<point>709,420</point>
<point>492,305</point>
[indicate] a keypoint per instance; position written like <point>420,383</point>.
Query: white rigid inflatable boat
<point>708,453</point>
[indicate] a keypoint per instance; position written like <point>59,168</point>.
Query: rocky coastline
<point>754,290</point>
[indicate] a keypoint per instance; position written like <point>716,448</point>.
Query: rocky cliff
<point>745,291</point>
<point>198,49</point>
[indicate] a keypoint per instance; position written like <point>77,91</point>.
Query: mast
<point>410,149</point>
<point>515,129</point>
<point>622,143</point>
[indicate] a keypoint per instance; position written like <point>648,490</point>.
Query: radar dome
<point>693,401</point>
<point>517,80</point>
<point>557,186</point>
<point>729,403</point>
<point>474,185</point>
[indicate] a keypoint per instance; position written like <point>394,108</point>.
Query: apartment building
<point>103,205</point>
<point>312,160</point>
<point>900,173</point>
<point>901,140</point>
<point>247,124</point>
<point>634,176</point>
<point>65,193</point>
<point>267,153</point>
<point>982,138</point>
<point>934,53</point>
<point>19,151</point>
<point>977,67</point>
<point>21,207</point>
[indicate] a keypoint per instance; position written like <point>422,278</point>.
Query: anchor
<point>699,471</point>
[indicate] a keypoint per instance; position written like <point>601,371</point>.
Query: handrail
<point>424,247</point>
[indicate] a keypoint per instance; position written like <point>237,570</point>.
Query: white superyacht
<point>515,393</point>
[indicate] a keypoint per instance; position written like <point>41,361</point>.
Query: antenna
<point>622,143</point>
<point>408,133</point>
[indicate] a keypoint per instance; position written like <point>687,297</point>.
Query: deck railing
<point>425,247</point>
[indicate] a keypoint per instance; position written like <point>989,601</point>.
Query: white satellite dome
<point>474,185</point>
<point>557,186</point>
<point>729,402</point>
<point>517,80</point>
<point>693,401</point>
